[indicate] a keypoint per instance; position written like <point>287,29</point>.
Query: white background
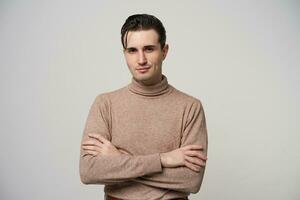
<point>240,58</point>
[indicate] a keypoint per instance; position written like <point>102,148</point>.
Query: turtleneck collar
<point>150,90</point>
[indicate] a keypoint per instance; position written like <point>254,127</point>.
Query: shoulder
<point>186,98</point>
<point>106,97</point>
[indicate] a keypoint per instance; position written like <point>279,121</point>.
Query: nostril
<point>142,61</point>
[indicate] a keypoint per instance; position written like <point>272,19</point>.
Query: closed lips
<point>143,68</point>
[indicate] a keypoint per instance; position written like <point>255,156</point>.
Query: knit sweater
<point>144,121</point>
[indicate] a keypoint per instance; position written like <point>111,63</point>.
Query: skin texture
<point>144,51</point>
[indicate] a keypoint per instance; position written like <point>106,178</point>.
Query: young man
<point>146,140</point>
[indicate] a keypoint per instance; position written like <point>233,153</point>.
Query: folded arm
<point>145,169</point>
<point>103,169</point>
<point>183,178</point>
<point>119,168</point>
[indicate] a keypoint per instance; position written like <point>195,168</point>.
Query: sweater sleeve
<point>182,178</point>
<point>111,169</point>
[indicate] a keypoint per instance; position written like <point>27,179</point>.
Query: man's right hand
<point>189,156</point>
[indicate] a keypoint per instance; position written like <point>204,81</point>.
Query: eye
<point>149,49</point>
<point>131,50</point>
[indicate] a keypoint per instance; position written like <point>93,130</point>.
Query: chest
<point>146,128</point>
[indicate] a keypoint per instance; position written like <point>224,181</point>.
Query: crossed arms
<point>181,169</point>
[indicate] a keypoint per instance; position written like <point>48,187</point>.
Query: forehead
<point>142,38</point>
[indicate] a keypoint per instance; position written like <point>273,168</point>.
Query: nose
<point>142,60</point>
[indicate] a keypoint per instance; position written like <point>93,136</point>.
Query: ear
<point>165,50</point>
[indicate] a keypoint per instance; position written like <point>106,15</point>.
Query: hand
<point>189,156</point>
<point>98,145</point>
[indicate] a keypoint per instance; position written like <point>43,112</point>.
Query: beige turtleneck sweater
<point>144,121</point>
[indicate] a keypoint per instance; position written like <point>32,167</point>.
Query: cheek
<point>130,61</point>
<point>155,59</point>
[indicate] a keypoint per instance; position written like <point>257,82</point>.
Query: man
<point>146,140</point>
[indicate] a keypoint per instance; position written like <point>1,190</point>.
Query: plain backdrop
<point>240,58</point>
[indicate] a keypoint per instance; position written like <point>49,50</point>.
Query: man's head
<point>139,22</point>
<point>143,38</point>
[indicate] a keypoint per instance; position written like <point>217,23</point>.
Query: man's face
<point>144,56</point>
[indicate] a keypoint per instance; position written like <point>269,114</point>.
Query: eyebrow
<point>147,46</point>
<point>152,46</point>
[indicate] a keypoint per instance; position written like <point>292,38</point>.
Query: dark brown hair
<point>143,22</point>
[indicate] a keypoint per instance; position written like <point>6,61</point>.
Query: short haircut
<point>139,22</point>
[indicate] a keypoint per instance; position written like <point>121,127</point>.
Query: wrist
<point>163,159</point>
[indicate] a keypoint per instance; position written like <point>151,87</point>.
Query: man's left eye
<point>149,49</point>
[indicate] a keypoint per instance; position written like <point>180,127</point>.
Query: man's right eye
<point>131,50</point>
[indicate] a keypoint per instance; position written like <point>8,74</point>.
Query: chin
<point>142,77</point>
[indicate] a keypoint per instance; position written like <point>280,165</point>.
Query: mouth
<point>143,69</point>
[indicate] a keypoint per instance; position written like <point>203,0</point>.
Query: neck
<point>145,89</point>
<point>154,81</point>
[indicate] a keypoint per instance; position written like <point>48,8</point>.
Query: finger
<point>92,148</point>
<point>98,137</point>
<point>89,152</point>
<point>194,146</point>
<point>192,166</point>
<point>196,154</point>
<point>88,142</point>
<point>195,161</point>
<point>92,142</point>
